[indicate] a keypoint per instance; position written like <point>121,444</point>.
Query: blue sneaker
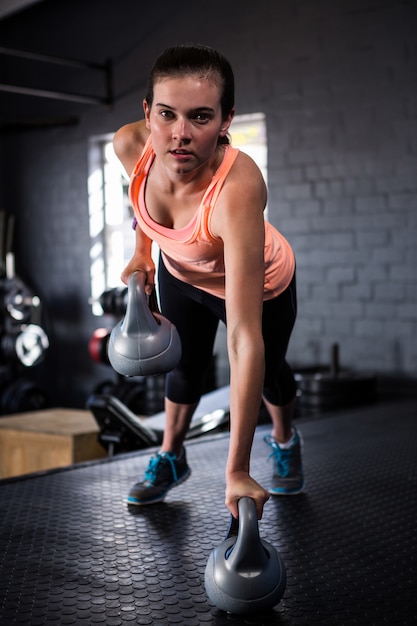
<point>164,471</point>
<point>288,477</point>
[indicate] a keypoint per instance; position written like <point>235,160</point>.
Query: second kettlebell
<point>245,574</point>
<point>144,343</point>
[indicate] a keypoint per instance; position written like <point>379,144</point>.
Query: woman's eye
<point>167,114</point>
<point>201,117</point>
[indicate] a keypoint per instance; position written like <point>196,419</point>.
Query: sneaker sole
<point>161,497</point>
<point>293,492</point>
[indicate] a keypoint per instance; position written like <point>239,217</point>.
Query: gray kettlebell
<point>245,574</point>
<point>144,343</point>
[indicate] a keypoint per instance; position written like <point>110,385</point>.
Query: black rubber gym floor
<point>73,553</point>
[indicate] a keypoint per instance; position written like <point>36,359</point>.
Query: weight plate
<point>31,345</point>
<point>19,300</point>
<point>341,384</point>
<point>20,396</point>
<point>97,346</point>
<point>322,389</point>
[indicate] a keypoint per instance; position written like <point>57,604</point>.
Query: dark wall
<point>337,82</point>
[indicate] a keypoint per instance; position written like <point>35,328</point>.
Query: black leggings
<point>196,315</point>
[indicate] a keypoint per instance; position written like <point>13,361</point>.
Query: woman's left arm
<point>239,221</point>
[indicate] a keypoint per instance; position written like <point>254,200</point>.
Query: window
<point>110,213</point>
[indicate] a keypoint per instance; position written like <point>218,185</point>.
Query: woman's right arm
<point>128,144</point>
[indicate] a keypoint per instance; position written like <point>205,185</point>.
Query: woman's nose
<point>181,131</point>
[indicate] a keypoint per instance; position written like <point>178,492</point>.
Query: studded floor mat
<point>71,552</point>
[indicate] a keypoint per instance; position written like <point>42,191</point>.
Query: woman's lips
<point>181,154</point>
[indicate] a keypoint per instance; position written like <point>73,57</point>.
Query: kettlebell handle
<point>245,505</point>
<point>138,312</point>
<point>247,553</point>
<point>137,282</point>
<point>139,279</point>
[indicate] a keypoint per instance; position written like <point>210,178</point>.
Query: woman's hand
<point>138,263</point>
<point>241,484</point>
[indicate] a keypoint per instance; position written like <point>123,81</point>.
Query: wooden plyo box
<point>41,440</point>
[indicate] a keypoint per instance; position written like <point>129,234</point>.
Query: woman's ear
<point>147,110</point>
<point>226,123</point>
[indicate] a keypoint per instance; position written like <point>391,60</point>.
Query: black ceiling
<point>98,32</point>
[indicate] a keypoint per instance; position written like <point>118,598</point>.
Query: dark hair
<point>195,59</point>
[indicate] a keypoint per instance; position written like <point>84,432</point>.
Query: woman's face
<point>185,120</point>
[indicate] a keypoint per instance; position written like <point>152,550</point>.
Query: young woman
<point>203,203</point>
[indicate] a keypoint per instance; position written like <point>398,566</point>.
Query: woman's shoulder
<point>243,163</point>
<point>128,143</point>
<point>244,189</point>
<point>245,173</point>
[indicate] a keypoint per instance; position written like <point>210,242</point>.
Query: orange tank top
<point>192,253</point>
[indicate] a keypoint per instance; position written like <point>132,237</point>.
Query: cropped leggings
<point>196,315</point>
